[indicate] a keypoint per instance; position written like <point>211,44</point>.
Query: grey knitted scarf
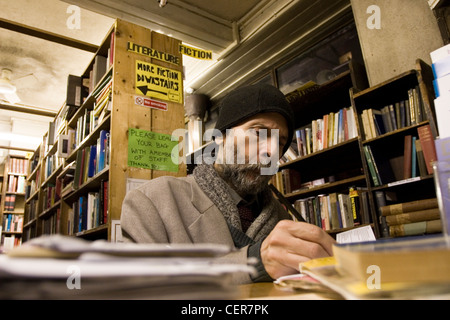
<point>217,190</point>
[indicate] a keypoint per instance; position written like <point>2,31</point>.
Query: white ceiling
<point>244,35</point>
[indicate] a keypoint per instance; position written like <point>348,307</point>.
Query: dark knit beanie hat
<point>245,102</point>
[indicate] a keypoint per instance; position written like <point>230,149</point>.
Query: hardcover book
<point>420,259</point>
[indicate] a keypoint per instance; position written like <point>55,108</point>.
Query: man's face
<point>251,150</point>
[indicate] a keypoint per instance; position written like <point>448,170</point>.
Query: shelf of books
<point>322,173</point>
<point>79,174</point>
<point>396,119</point>
<point>13,201</point>
<point>369,150</point>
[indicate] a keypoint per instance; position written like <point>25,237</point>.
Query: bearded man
<point>229,202</point>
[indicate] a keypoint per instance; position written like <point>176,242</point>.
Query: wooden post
<point>126,114</point>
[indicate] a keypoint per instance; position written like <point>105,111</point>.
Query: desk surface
<point>269,290</point>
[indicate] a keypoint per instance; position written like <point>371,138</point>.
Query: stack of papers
<point>59,267</point>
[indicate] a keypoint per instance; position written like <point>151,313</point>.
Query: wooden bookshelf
<point>79,135</point>
<point>13,200</point>
<point>334,169</point>
<point>401,179</point>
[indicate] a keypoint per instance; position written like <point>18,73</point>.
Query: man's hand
<point>291,243</point>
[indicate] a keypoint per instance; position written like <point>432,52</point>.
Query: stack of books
<point>413,268</point>
<point>413,218</point>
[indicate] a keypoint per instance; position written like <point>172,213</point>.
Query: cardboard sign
<point>151,150</point>
<point>159,82</point>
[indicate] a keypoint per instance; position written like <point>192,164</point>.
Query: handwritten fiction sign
<point>159,82</point>
<point>152,53</point>
<point>151,150</point>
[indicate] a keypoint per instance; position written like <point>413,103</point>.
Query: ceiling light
<point>6,87</point>
<point>5,82</point>
<point>190,90</point>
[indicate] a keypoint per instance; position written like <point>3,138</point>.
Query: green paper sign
<point>151,150</point>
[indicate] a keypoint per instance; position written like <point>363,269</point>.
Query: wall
<point>407,30</point>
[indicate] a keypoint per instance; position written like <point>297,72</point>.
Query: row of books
<point>416,161</point>
<point>102,95</point>
<point>87,123</point>
<point>67,178</point>
<point>34,183</point>
<point>52,224</point>
<point>89,211</point>
<point>18,166</point>
<point>289,181</point>
<point>393,116</point>
<point>335,210</point>
<point>101,65</point>
<point>332,129</point>
<point>92,159</point>
<point>13,223</point>
<point>51,163</point>
<point>16,184</point>
<point>9,242</point>
<point>51,194</point>
<point>31,209</point>
<point>413,217</point>
<point>34,161</point>
<point>79,88</point>
<point>10,202</point>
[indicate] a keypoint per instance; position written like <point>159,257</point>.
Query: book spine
<point>407,164</point>
<point>428,146</point>
<point>414,216</point>
<point>381,202</point>
<point>416,228</point>
<point>371,165</point>
<point>405,207</point>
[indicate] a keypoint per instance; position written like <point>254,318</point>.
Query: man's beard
<point>245,179</point>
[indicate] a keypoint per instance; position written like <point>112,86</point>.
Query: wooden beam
<point>27,109</point>
<point>16,149</point>
<point>46,35</point>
